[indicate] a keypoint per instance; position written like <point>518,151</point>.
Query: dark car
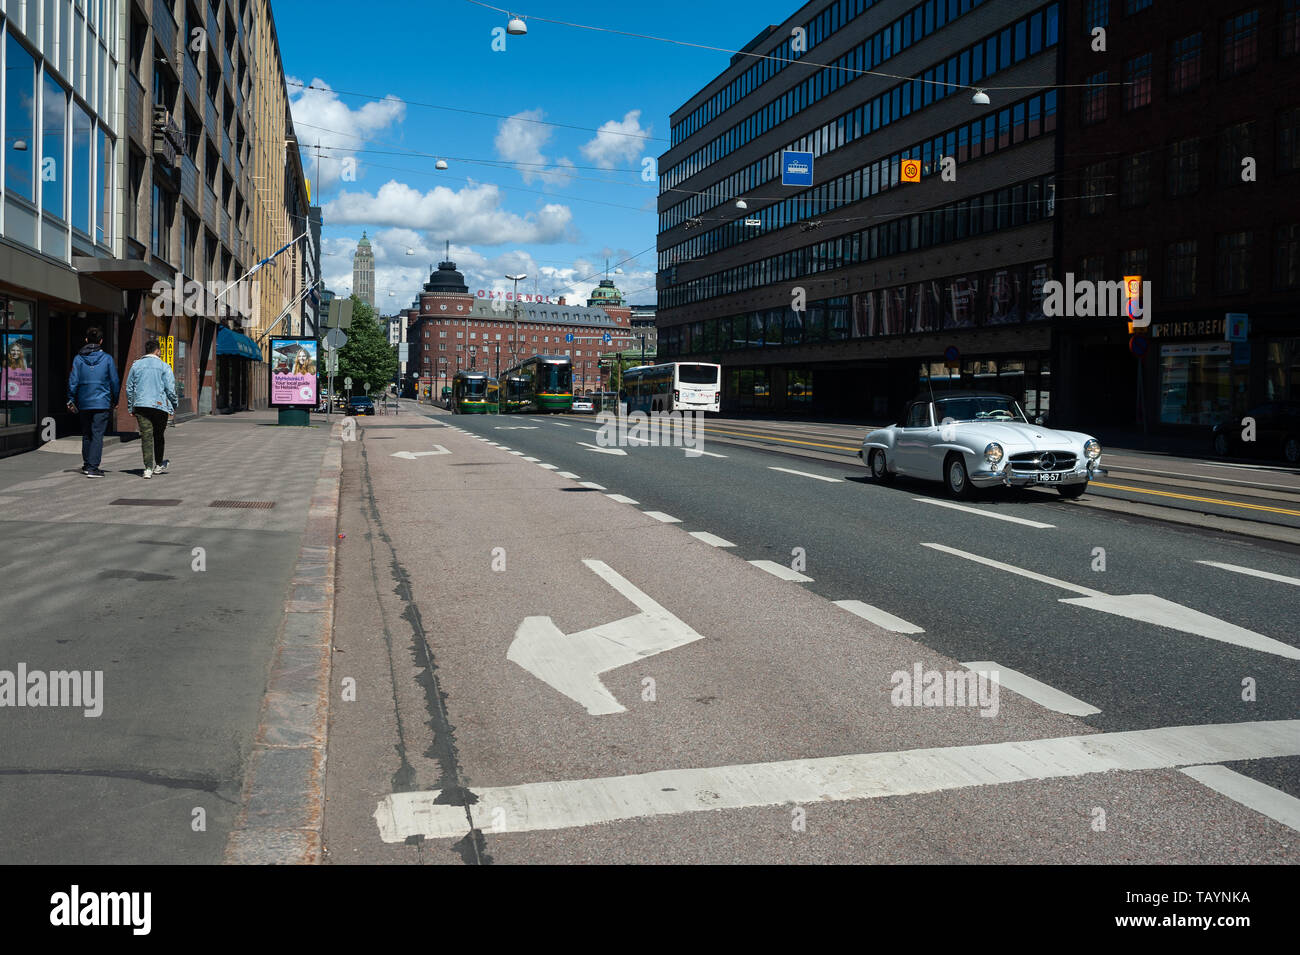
<point>1276,432</point>
<point>361,404</point>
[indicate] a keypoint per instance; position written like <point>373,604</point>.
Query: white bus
<point>675,386</point>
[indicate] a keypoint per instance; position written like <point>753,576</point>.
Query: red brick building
<point>450,328</point>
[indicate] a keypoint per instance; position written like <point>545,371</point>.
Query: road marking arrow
<point>412,455</point>
<point>1147,608</point>
<point>592,447</point>
<point>572,663</point>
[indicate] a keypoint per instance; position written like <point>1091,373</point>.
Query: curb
<point>284,783</point>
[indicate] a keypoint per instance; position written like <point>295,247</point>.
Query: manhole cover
<point>248,505</point>
<point>146,502</point>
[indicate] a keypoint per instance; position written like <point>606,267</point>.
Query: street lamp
<point>514,350</point>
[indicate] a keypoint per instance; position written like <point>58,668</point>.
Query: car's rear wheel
<point>1221,445</point>
<point>955,476</point>
<point>880,467</point>
<point>1291,450</point>
<point>1071,491</point>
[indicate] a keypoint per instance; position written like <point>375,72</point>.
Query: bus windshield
<point>697,374</point>
<point>554,379</point>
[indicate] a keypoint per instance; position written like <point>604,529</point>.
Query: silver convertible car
<point>973,440</point>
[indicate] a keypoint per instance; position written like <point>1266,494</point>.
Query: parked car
<point>978,439</point>
<point>361,404</point>
<point>583,405</point>
<point>1276,432</point>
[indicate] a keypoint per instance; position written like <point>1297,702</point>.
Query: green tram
<point>547,383</point>
<point>514,393</point>
<point>474,392</point>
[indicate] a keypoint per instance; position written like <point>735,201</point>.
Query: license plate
<point>1049,477</point>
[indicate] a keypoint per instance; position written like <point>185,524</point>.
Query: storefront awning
<point>230,342</point>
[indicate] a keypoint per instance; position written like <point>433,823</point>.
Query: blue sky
<point>518,195</point>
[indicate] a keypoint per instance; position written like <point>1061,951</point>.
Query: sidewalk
<point>179,604</point>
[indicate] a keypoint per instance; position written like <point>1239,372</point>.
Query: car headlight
<point>993,452</point>
<point>1092,449</point>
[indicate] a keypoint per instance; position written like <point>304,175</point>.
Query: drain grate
<point>248,505</point>
<point>146,502</point>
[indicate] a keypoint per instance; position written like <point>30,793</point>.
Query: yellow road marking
<point>1203,500</point>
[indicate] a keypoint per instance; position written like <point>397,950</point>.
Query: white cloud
<point>520,142</point>
<point>619,142</point>
<point>320,117</point>
<point>472,214</point>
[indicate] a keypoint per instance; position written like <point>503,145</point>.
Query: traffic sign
<point>347,382</point>
<point>1236,327</point>
<point>910,170</point>
<point>951,357</point>
<point>335,339</point>
<point>569,337</point>
<point>607,339</point>
<point>796,168</point>
<point>1138,345</point>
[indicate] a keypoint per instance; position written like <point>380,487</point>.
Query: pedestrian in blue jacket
<point>93,386</point>
<point>151,397</point>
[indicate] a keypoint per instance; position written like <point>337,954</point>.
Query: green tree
<point>367,357</point>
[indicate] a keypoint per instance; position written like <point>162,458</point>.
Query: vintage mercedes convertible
<point>976,439</point>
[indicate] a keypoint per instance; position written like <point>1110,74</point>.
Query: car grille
<point>1033,461</point>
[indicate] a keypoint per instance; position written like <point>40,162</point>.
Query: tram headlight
<point>993,453</point>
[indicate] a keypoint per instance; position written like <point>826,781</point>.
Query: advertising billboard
<point>293,373</point>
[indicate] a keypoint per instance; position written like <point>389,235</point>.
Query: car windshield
<point>987,408</point>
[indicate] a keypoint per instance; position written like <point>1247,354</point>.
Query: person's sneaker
<point>160,467</point>
<point>84,469</point>
<point>94,473</point>
<point>148,473</point>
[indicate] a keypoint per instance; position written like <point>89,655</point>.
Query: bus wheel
<point>880,468</point>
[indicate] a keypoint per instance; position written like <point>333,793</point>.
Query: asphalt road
<point>461,730</point>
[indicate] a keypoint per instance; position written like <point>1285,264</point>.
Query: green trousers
<point>153,424</point>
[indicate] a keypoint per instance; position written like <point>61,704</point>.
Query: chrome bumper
<point>1011,478</point>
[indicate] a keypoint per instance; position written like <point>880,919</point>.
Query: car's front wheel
<point>956,478</point>
<point>880,467</point>
<point>1071,491</point>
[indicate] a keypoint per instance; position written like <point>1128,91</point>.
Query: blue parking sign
<point>569,337</point>
<point>796,168</point>
<point>608,339</point>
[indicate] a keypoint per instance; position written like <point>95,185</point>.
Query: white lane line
<point>572,803</point>
<point>620,499</point>
<point>538,420</point>
<point>981,513</point>
<point>593,485</point>
<point>1251,793</point>
<point>549,467</point>
<point>815,477</point>
<point>1238,569</point>
<point>881,618</point>
<point>713,540</point>
<point>661,516</point>
<point>696,452</point>
<point>561,424</point>
<point>1041,578</point>
<point>780,570</point>
<point>1032,689</point>
<point>503,447</point>
<point>532,460</point>
<point>567,474</point>
<point>517,453</point>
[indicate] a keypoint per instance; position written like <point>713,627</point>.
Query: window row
<point>983,299</point>
<point>991,211</point>
<point>1027,119</point>
<point>1234,260</point>
<point>1025,38</point>
<point>57,153</point>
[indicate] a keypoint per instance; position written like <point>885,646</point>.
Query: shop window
<point>1233,262</point>
<point>18,366</point>
<point>1195,383</point>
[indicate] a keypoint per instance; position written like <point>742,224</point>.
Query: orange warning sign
<point>911,170</point>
